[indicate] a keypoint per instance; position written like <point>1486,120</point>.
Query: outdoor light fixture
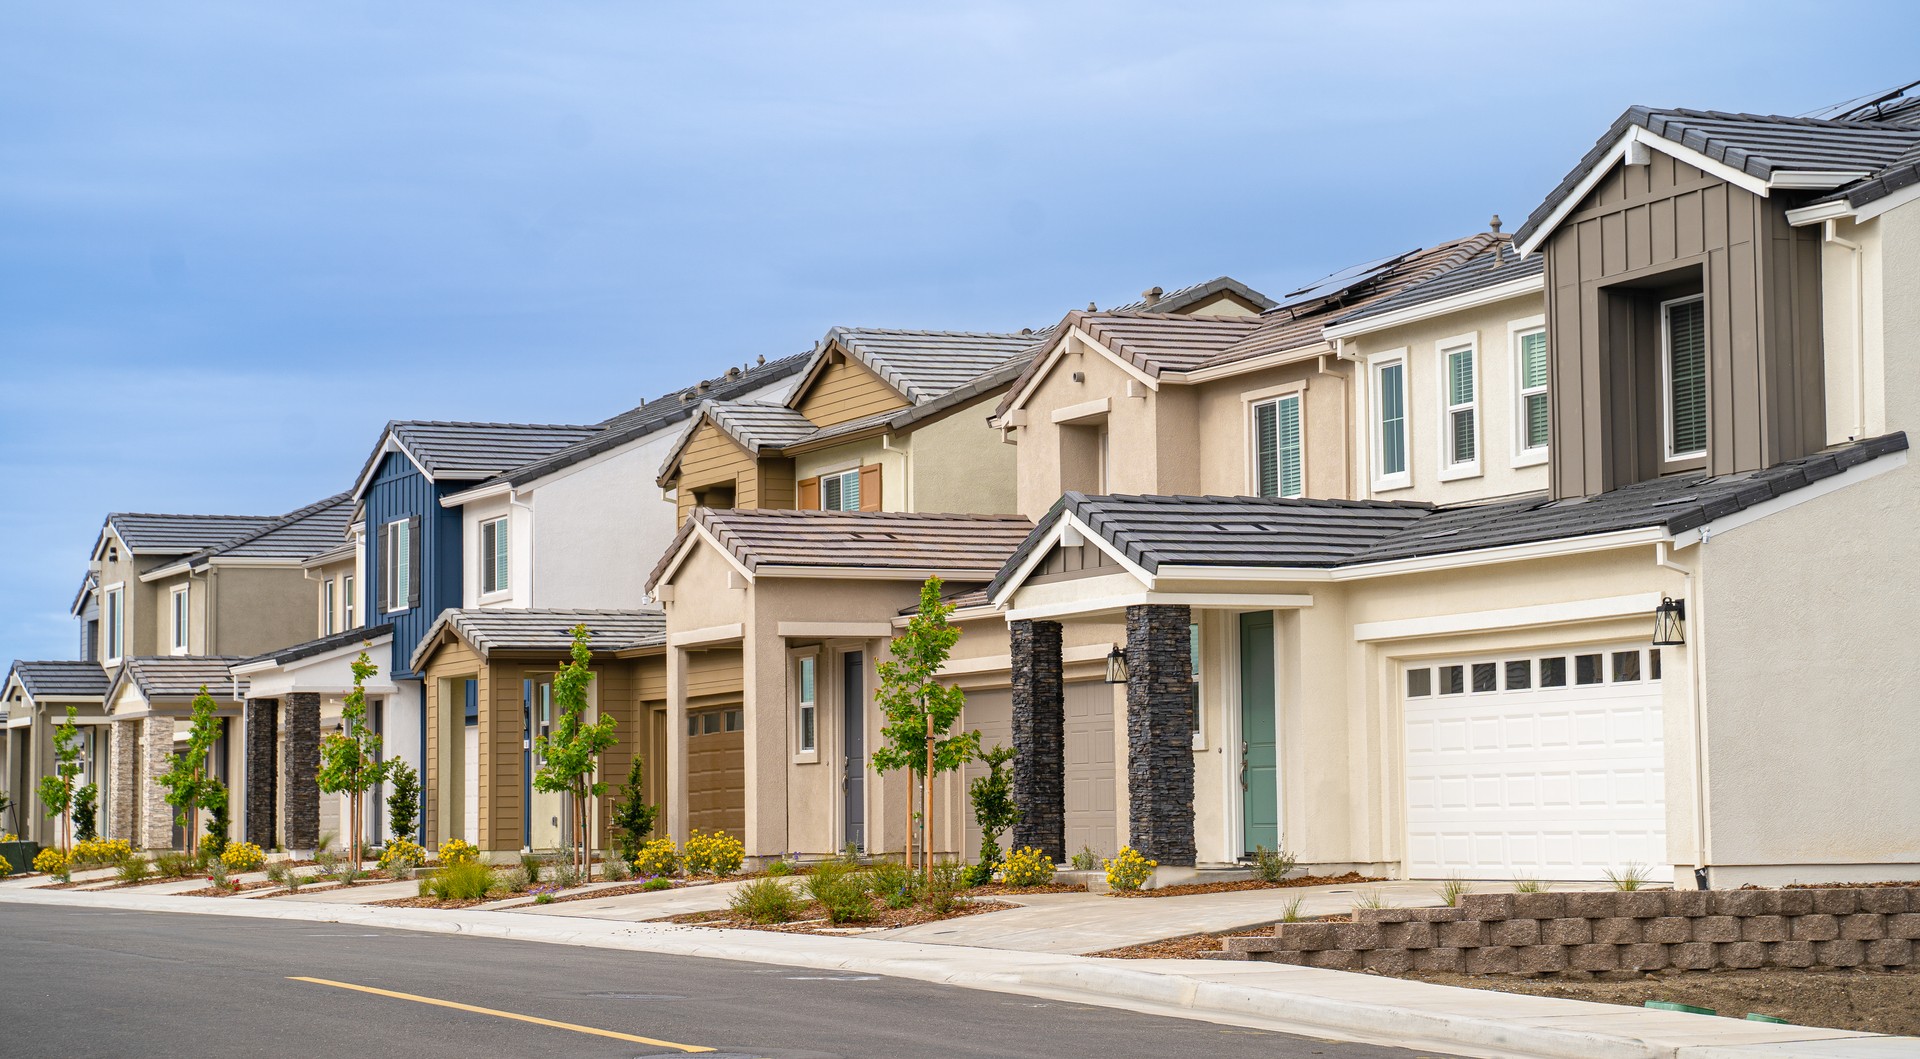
<point>1669,622</point>
<point>1116,666</point>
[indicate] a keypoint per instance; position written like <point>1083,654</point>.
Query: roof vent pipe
<point>1151,295</point>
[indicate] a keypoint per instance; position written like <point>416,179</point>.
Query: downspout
<point>1696,651</point>
<point>513,501</point>
<point>1830,234</point>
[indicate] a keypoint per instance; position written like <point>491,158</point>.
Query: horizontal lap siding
<point>450,661</point>
<point>844,391</point>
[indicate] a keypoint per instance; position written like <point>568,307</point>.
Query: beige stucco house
<point>33,702</point>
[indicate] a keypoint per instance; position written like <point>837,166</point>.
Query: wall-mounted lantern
<point>1669,622</point>
<point>1116,666</point>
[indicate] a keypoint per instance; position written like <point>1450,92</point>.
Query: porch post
<point>1160,733</point>
<point>303,770</point>
<point>124,758</point>
<point>262,771</point>
<point>154,815</point>
<point>1039,737</point>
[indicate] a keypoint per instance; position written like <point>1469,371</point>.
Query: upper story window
<point>1683,375</point>
<point>399,574</point>
<point>807,687</point>
<point>840,492</point>
<point>1390,423</point>
<point>348,604</point>
<point>1531,416</point>
<point>1461,452</point>
<point>178,606</point>
<point>113,611</point>
<point>327,625</point>
<point>1279,449</point>
<point>493,556</point>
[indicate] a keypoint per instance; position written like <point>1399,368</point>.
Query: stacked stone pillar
<point>263,772</point>
<point>1040,738</point>
<point>154,817</point>
<point>303,768</point>
<point>123,758</point>
<point>1160,733</point>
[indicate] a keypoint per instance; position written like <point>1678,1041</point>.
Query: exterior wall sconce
<point>1117,666</point>
<point>1669,622</point>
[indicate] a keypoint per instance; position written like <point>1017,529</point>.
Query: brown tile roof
<point>490,630</point>
<point>968,548</point>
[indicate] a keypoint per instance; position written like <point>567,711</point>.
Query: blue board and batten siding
<point>399,491</point>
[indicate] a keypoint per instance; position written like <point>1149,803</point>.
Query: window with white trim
<point>1462,438</point>
<point>327,626</point>
<point>493,556</point>
<point>1531,414</point>
<point>114,610</point>
<point>840,492</point>
<point>807,720</point>
<point>1279,448</point>
<point>1683,375</point>
<point>396,566</point>
<point>1390,422</point>
<point>178,605</point>
<point>346,601</point>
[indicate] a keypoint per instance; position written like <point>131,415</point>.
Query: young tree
<point>993,807</point>
<point>213,798</point>
<point>86,814</point>
<point>187,778</point>
<point>350,758</point>
<point>403,801</point>
<point>920,710</point>
<point>632,816</point>
<point>572,752</point>
<point>57,790</point>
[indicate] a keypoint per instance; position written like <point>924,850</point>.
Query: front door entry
<point>853,729</point>
<point>1259,774</point>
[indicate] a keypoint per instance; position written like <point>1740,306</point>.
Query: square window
<point>1419,683</point>
<point>1653,664</point>
<point>1553,672</point>
<point>1626,666</point>
<point>1519,674</point>
<point>1453,680</point>
<point>734,719</point>
<point>710,723</point>
<point>1586,669</point>
<point>840,492</point>
<point>1484,674</point>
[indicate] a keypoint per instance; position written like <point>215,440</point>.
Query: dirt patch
<point>1186,889</point>
<point>812,918</point>
<point>430,902</point>
<point>612,891</point>
<point>1873,1001</point>
<point>1188,947</point>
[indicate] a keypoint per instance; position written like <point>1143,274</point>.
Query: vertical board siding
<point>398,491</point>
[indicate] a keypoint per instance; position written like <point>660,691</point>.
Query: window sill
<point>1530,458</point>
<point>1460,473</point>
<point>1389,485</point>
<point>811,757</point>
<point>176,651</point>
<point>502,596</point>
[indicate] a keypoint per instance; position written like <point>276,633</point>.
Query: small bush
<point>402,856</point>
<point>1631,877</point>
<point>243,857</point>
<point>615,869</point>
<point>895,885</point>
<point>780,868</point>
<point>658,857</point>
<point>464,880</point>
<point>515,879</point>
<point>567,876</point>
<point>134,869</point>
<point>217,874</point>
<point>531,864</point>
<point>1451,890</point>
<point>99,852</point>
<point>5,868</point>
<point>762,901</point>
<point>1371,898</point>
<point>55,863</point>
<point>841,890</point>
<point>1527,885</point>
<point>326,842</point>
<point>979,875</point>
<point>655,884</point>
<point>1027,866</point>
<point>1085,860</point>
<point>545,897</point>
<point>459,851</point>
<point>1128,870</point>
<point>713,853</point>
<point>173,865</point>
<point>278,872</point>
<point>1273,865</point>
<point>943,890</point>
<point>211,849</point>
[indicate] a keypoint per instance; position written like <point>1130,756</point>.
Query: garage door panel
<point>1092,807</point>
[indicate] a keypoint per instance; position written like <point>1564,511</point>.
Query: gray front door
<point>853,728</point>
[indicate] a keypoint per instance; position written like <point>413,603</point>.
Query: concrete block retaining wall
<point>1643,930</point>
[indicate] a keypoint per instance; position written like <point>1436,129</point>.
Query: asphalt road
<point>99,983</point>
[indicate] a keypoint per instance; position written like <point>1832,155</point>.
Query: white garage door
<point>1543,765</point>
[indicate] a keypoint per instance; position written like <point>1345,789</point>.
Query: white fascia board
<point>250,560</point>
<point>1068,525</point>
<point>388,444</point>
<point>1818,213</point>
<point>1816,179</point>
<point>709,635</point>
<point>1878,206</point>
<point>1282,358</point>
<point>700,535</point>
<point>858,573</point>
<point>484,492</point>
<point>1854,475</point>
<point>167,571</point>
<point>1615,154</point>
<point>1059,351</point>
<point>1202,600</point>
<point>1510,617</point>
<point>1421,564</point>
<point>1441,306</point>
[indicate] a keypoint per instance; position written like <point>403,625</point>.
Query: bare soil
<point>1873,1001</point>
<point>611,891</point>
<point>430,902</point>
<point>1249,884</point>
<point>1003,890</point>
<point>812,918</point>
<point>1186,947</point>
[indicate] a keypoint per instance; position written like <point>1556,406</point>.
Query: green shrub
<point>658,857</point>
<point>217,874</point>
<point>780,868</point>
<point>842,891</point>
<point>1085,860</point>
<point>993,807</point>
<point>1027,866</point>
<point>894,884</point>
<point>531,863</point>
<point>763,901</point>
<point>655,884</point>
<point>615,869</point>
<point>942,893</point>
<point>515,879</point>
<point>978,875</point>
<point>1129,870</point>
<point>1631,877</point>
<point>173,865</point>
<point>460,881</point>
<point>134,869</point>
<point>567,876</point>
<point>85,812</point>
<point>1291,913</point>
<point>1273,865</point>
<point>1526,884</point>
<point>545,898</point>
<point>713,853</point>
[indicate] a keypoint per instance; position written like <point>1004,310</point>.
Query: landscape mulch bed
<point>430,902</point>
<point>812,918</point>
<point>1185,889</point>
<point>614,891</point>
<point>1873,1001</point>
<point>1003,890</point>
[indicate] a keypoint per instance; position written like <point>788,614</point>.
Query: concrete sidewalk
<point>1265,996</point>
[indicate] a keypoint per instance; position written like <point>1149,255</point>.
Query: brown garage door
<point>717,771</point>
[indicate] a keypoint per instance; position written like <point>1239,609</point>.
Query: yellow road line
<point>502,1014</point>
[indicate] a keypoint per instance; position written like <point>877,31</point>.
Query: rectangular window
<point>493,556</point>
<point>1519,674</point>
<point>347,603</point>
<point>809,703</point>
<point>1452,680</point>
<point>840,492</point>
<point>1553,672</point>
<point>327,626</point>
<point>1391,385</point>
<point>1586,669</point>
<point>396,566</point>
<point>1532,415</point>
<point>1683,369</point>
<point>1626,666</point>
<point>1419,683</point>
<point>116,618</point>
<point>1484,676</point>
<point>1463,439</point>
<point>1279,467</point>
<point>179,607</point>
<point>1653,664</point>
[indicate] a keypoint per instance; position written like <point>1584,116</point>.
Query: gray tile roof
<point>149,533</point>
<point>467,451</point>
<point>968,548</point>
<point>1190,296</point>
<point>1489,268</point>
<point>1763,146</point>
<point>491,630</point>
<point>324,644</point>
<point>757,426</point>
<point>181,676</point>
<point>1229,532</point>
<point>924,365</point>
<point>300,533</point>
<point>61,679</point>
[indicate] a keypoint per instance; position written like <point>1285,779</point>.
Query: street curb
<point>1088,980</point>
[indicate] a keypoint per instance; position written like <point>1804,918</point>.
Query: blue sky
<point>236,239</point>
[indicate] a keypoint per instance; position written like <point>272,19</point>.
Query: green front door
<point>1259,775</point>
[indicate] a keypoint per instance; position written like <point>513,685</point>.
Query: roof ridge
<point>494,426</point>
<point>1781,119</point>
<point>177,514</point>
<point>928,331</point>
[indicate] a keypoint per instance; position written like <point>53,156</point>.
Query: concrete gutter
<point>1298,1000</point>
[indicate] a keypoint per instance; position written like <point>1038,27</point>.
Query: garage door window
<point>1523,674</point>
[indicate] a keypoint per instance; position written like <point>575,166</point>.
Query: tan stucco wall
<point>1135,455</point>
<point>252,610</point>
<point>1225,421</point>
<point>959,464</point>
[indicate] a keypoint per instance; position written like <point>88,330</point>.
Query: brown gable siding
<point>844,391</point>
<point>712,458</point>
<point>1643,224</point>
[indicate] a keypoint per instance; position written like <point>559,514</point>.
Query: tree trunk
<point>908,802</point>
<point>929,797</point>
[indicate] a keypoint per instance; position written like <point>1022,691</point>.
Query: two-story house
<point>1422,673</point>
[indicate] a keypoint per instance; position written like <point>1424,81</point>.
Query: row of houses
<point>1531,555</point>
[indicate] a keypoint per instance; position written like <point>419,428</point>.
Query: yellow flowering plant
<point>1027,866</point>
<point>713,853</point>
<point>657,857</point>
<point>459,851</point>
<point>91,851</point>
<point>5,868</point>
<point>243,857</point>
<point>402,855</point>
<point>53,862</point>
<point>1128,871</point>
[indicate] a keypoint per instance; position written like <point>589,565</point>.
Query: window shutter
<point>413,561</point>
<point>870,487</point>
<point>500,552</point>
<point>486,556</point>
<point>382,577</point>
<point>1687,348</point>
<point>810,493</point>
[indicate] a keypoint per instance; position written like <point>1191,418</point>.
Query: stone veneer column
<point>123,754</point>
<point>1040,737</point>
<point>155,816</point>
<point>262,771</point>
<point>1160,733</point>
<point>303,769</point>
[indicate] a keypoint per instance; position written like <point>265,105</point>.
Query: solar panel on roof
<point>1339,281</point>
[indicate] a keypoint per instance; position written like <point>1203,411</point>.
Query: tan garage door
<point>991,714</point>
<point>1093,819</point>
<point>717,771</point>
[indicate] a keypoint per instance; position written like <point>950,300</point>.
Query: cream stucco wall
<point>953,464</point>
